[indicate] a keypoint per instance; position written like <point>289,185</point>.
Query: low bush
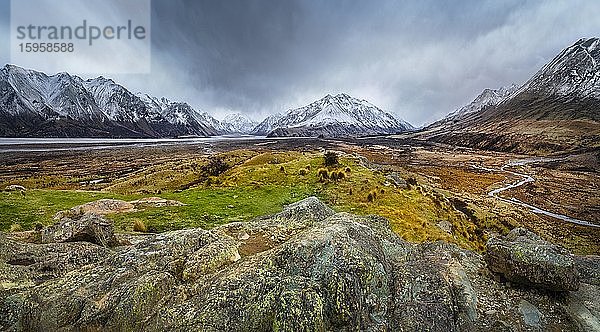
<point>215,167</point>
<point>331,159</point>
<point>323,173</point>
<point>16,228</point>
<point>139,226</point>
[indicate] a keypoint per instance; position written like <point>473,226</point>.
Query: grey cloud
<point>417,59</point>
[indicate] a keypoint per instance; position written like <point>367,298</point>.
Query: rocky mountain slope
<point>556,110</point>
<point>267,125</point>
<point>306,268</point>
<point>336,116</point>
<point>487,98</point>
<point>33,104</point>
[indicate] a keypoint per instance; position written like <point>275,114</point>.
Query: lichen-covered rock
<point>155,202</point>
<point>89,228</point>
<point>211,257</point>
<point>588,268</point>
<point>523,257</point>
<point>24,265</point>
<point>15,187</point>
<point>304,269</point>
<point>99,207</point>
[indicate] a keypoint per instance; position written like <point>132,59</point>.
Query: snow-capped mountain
<point>555,110</point>
<point>338,116</point>
<point>62,105</point>
<point>267,125</point>
<point>116,102</point>
<point>237,124</point>
<point>183,117</point>
<point>575,71</point>
<point>489,97</point>
<point>25,91</point>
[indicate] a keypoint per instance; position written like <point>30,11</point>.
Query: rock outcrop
<point>306,268</point>
<point>24,265</point>
<point>89,227</point>
<point>99,207</point>
<point>523,257</point>
<point>155,202</point>
<point>109,206</point>
<point>15,187</point>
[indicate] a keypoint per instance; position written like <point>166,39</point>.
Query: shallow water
<point>526,179</point>
<point>66,144</point>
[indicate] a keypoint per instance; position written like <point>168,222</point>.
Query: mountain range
<point>33,104</point>
<point>557,109</point>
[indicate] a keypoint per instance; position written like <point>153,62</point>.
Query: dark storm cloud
<point>417,59</point>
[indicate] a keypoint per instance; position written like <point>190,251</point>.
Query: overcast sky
<point>417,59</point>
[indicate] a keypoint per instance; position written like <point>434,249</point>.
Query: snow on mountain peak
<point>94,106</point>
<point>574,71</point>
<point>238,123</point>
<point>341,115</point>
<point>488,97</point>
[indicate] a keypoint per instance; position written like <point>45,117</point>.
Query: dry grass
<point>139,226</point>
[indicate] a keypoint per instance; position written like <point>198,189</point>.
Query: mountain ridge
<point>34,104</point>
<point>337,116</point>
<point>555,110</point>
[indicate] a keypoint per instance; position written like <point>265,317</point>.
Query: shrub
<point>16,228</point>
<point>370,197</point>
<point>348,170</point>
<point>333,176</point>
<point>215,167</point>
<point>139,226</point>
<point>341,175</point>
<point>331,159</point>
<point>308,167</point>
<point>302,172</point>
<point>282,169</point>
<point>350,192</point>
<point>411,181</point>
<point>323,173</point>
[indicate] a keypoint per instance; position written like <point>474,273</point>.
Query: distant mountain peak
<point>238,123</point>
<point>589,43</point>
<point>555,110</point>
<point>337,116</point>
<point>574,71</point>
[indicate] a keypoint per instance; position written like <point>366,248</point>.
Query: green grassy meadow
<point>255,184</point>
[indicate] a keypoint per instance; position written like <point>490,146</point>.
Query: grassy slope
<point>257,184</point>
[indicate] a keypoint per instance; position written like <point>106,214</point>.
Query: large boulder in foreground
<point>523,257</point>
<point>304,269</point>
<point>24,265</point>
<point>89,227</point>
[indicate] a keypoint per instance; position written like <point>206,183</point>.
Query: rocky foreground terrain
<point>306,268</point>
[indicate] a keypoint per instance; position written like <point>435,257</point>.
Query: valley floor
<point>428,192</point>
